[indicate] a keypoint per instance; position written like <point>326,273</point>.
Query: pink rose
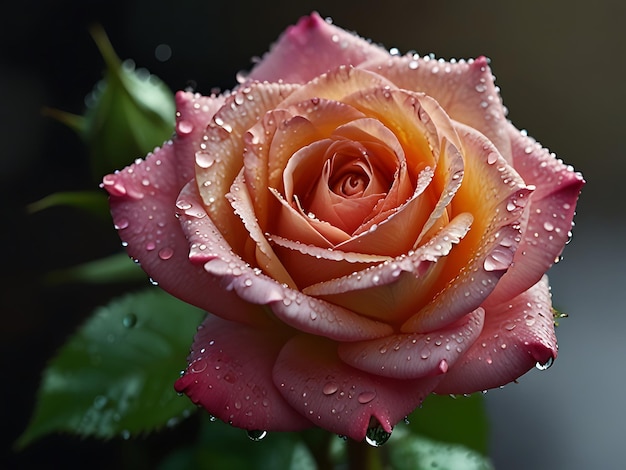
<point>364,229</point>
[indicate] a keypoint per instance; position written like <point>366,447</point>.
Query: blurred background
<point>561,68</point>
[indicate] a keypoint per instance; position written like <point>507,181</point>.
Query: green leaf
<point>112,269</point>
<point>130,112</point>
<point>461,420</point>
<point>95,202</point>
<point>412,452</point>
<point>115,376</point>
<point>220,445</point>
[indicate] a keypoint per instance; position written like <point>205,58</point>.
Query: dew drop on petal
<point>376,436</point>
<point>122,224</point>
<point>330,388</point>
<point>166,253</point>
<point>184,127</point>
<point>366,397</point>
<point>545,365</point>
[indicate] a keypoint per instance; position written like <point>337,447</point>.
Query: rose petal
<point>309,229</point>
<point>394,290</point>
<point>310,48</point>
<point>517,335</point>
<point>496,196</point>
<point>401,111</point>
<point>465,89</point>
<point>230,375</point>
<point>264,256</point>
<point>315,316</point>
<point>550,215</point>
<point>220,155</point>
<point>411,356</point>
<point>304,313</point>
<point>339,398</point>
<point>193,112</point>
<point>142,199</point>
<point>309,264</point>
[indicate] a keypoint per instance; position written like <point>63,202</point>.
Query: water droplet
<point>129,320</point>
<point>100,402</point>
<point>184,127</point>
<point>545,365</point>
<point>510,326</point>
<point>376,436</point>
<point>492,158</point>
<point>330,388</point>
<point>498,260</point>
<point>366,397</point>
<point>121,224</point>
<point>548,226</point>
<point>256,435</point>
<point>125,434</point>
<point>166,253</point>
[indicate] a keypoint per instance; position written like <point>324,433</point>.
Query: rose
<point>364,228</point>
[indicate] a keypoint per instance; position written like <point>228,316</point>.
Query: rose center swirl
<point>350,184</point>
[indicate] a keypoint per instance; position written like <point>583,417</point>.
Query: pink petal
<point>495,195</point>
<point>517,335</point>
<point>264,255</point>
<point>339,398</point>
<point>310,264</point>
<point>411,356</point>
<point>318,317</point>
<point>310,48</point>
<point>465,89</point>
<point>193,112</point>
<point>230,375</point>
<point>142,199</point>
<point>219,157</point>
<point>394,290</point>
<point>549,218</point>
<point>304,313</point>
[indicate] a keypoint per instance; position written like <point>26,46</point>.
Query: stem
<point>362,456</point>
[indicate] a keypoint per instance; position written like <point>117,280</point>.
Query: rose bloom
<point>364,229</point>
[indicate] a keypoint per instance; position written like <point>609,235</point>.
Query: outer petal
<point>410,356</point>
<point>193,112</point>
<point>142,199</point>
<point>230,375</point>
<point>549,216</point>
<point>517,335</point>
<point>465,89</point>
<point>337,397</point>
<point>310,48</point>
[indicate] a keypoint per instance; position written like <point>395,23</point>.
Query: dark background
<point>561,67</point>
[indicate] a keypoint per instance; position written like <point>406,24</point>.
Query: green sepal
<point>130,112</point>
